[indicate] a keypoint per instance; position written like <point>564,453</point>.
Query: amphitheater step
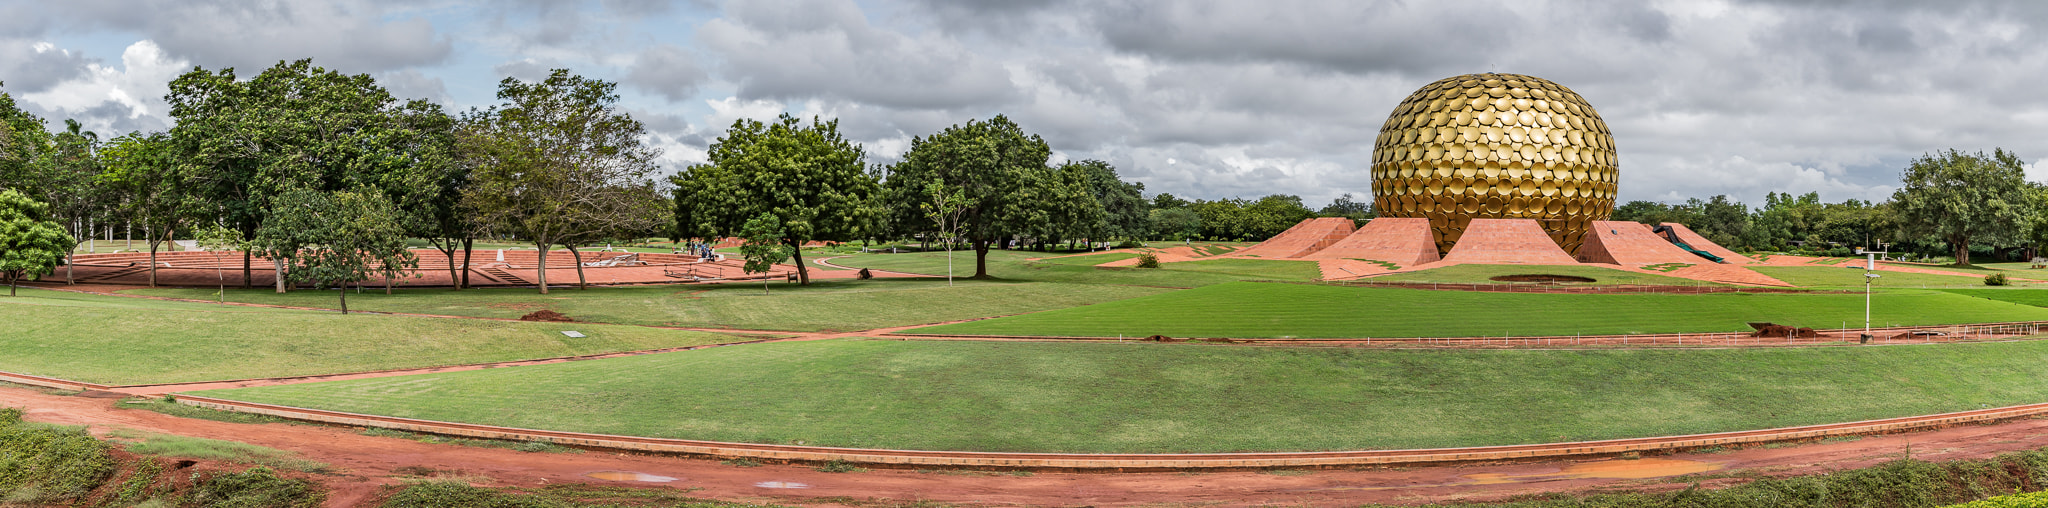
<point>501,275</point>
<point>132,270</point>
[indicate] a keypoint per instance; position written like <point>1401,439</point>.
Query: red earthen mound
<point>546,315</point>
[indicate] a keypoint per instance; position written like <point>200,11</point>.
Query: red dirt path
<point>367,462</point>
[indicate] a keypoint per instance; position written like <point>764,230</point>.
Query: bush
<point>1996,279</point>
<point>840,466</point>
<point>256,487</point>
<point>42,464</point>
<point>2027,500</point>
<point>1840,252</point>
<point>1147,260</point>
<point>1130,244</point>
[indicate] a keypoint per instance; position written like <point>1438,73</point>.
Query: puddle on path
<point>1616,469</point>
<point>629,476</point>
<point>781,485</point>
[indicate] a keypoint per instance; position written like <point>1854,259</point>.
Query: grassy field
<point>1017,265</point>
<point>1249,309</point>
<point>2020,296</point>
<point>1049,397</point>
<point>1838,277</point>
<point>834,305</point>
<point>1484,274</point>
<point>117,340</point>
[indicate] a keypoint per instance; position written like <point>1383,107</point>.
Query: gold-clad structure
<point>1495,146</point>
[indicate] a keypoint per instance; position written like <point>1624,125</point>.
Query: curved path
<point>363,463</point>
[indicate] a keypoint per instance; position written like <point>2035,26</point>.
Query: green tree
<point>342,238</point>
<point>1176,223</point>
<point>1059,204</point>
<point>296,125</point>
<point>153,187</point>
<point>1165,201</point>
<point>71,185</point>
<point>24,145</point>
<point>990,162</point>
<point>944,208</point>
<point>814,181</point>
<point>30,243</point>
<point>1963,198</point>
<point>1347,207</point>
<point>764,245</point>
<point>558,162</point>
<point>1125,211</point>
<point>216,239</point>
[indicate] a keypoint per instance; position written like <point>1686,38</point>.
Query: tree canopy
<point>30,243</point>
<point>990,162</point>
<point>810,178</point>
<point>1965,197</point>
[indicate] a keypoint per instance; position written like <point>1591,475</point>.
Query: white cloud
<point>113,100</point>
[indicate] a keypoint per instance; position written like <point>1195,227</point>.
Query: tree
<point>23,145</point>
<point>155,189</point>
<point>558,162</point>
<point>944,209</point>
<point>1125,211</point>
<point>30,243</point>
<point>1176,223</point>
<point>1165,201</point>
<point>814,181</point>
<point>296,125</point>
<point>216,239</point>
<point>764,246</point>
<point>1961,198</point>
<point>990,162</point>
<point>343,238</point>
<point>66,178</point>
<point>1344,206</point>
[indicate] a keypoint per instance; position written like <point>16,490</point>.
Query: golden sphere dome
<point>1496,146</point>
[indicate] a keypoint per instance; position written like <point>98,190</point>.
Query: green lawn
<point>2022,296</point>
<point>835,305</point>
<point>1838,277</point>
<point>116,340</point>
<point>1484,274</point>
<point>1249,309</point>
<point>1108,397</point>
<point>1016,265</point>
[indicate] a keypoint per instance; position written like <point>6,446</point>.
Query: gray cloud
<point>352,36</point>
<point>668,71</point>
<point>795,49</point>
<point>412,84</point>
<point>30,68</point>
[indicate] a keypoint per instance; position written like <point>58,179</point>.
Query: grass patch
<point>452,494</point>
<point>1484,274</point>
<point>1018,266</point>
<point>1088,260</point>
<point>115,345</point>
<point>1904,483</point>
<point>1274,310</point>
<point>164,445</point>
<point>836,305</point>
<point>50,465</point>
<point>1838,277</point>
<point>1147,398</point>
<point>524,446</point>
<point>170,407</point>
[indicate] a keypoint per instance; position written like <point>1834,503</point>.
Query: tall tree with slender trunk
<point>558,162</point>
<point>156,189</point>
<point>990,162</point>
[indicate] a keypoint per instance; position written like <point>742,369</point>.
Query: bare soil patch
<point>546,315</point>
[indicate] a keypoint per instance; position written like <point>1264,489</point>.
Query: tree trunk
<point>247,259</point>
<point>803,275</point>
<point>468,247</point>
<point>152,264</point>
<point>580,283</point>
<point>981,259</point>
<point>453,277</point>
<point>543,269</point>
<point>1962,248</point>
<point>10,284</point>
<point>344,298</point>
<point>279,263</point>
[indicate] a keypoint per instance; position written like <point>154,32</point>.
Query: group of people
<point>699,249</point>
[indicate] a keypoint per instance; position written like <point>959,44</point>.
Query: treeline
<point>328,176</point>
<point>1951,203</point>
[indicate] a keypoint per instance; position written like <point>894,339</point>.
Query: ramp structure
<point>1631,243</point>
<point>1696,241</point>
<point>1303,239</point>
<point>1403,241</point>
<point>1507,241</point>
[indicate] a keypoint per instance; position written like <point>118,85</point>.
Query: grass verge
<point>184,342</point>
<point>1274,310</point>
<point>826,305</point>
<point>451,494</point>
<point>1114,398</point>
<point>164,445</point>
<point>1018,266</point>
<point>1838,277</point>
<point>1484,274</point>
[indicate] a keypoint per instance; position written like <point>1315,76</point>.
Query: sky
<point>1199,98</point>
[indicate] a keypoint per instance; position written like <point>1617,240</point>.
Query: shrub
<point>42,464</point>
<point>840,466</point>
<point>1996,279</point>
<point>1130,244</point>
<point>1148,260</point>
<point>256,487</point>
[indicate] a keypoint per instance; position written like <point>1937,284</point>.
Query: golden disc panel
<point>1502,146</point>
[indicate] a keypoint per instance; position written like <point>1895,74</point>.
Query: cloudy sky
<point>1208,99</point>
